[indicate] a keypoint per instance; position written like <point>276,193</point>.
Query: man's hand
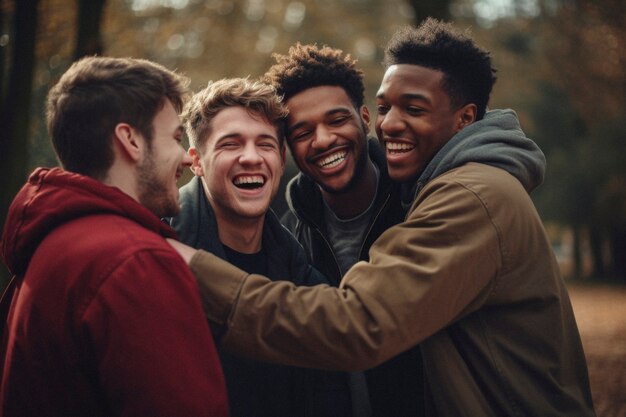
<point>185,251</point>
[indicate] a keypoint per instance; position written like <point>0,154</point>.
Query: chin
<point>167,208</point>
<point>254,213</point>
<point>402,176</point>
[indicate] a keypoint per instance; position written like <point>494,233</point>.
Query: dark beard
<point>153,194</point>
<point>359,169</point>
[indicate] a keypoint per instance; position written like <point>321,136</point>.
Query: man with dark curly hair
<point>342,200</point>
<point>469,275</point>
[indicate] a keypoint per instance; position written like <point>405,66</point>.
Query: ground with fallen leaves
<point>601,315</point>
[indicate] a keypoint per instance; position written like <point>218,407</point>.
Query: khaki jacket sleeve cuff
<point>219,283</point>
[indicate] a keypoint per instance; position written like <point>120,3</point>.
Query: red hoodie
<point>106,320</point>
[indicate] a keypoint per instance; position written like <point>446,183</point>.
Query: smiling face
<point>415,118</point>
<point>328,137</point>
<point>241,164</point>
<point>162,164</point>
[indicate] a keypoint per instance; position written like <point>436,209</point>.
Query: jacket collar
<point>197,226</point>
<point>305,198</point>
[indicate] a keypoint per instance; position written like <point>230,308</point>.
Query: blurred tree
<point>584,48</point>
<point>28,76</point>
<point>439,9</point>
<point>15,100</point>
<point>561,67</point>
<point>566,196</point>
<point>88,23</point>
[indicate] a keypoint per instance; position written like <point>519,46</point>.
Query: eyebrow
<point>409,96</point>
<point>328,113</point>
<point>236,135</point>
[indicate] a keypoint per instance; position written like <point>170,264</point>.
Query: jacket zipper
<point>371,226</point>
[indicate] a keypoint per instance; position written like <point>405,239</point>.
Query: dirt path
<point>601,316</point>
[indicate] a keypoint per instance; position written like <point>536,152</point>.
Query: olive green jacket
<point>469,275</point>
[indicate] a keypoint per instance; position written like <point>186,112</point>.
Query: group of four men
<point>457,308</point>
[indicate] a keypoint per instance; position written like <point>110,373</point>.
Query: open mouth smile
<point>249,182</point>
<point>398,147</point>
<point>332,160</point>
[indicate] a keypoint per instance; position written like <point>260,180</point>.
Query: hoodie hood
<point>53,197</point>
<point>496,140</point>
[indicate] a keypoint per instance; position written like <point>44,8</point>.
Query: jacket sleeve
<point>289,220</point>
<point>437,266</point>
<point>153,349</point>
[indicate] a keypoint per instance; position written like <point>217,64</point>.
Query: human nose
<point>323,137</point>
<point>391,122</point>
<point>187,160</point>
<point>250,155</point>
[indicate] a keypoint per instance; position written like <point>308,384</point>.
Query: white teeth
<point>398,147</point>
<point>332,160</point>
<point>249,179</point>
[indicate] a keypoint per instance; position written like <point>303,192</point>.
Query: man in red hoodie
<point>105,318</point>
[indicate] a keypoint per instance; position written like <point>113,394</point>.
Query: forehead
<point>409,79</point>
<point>239,119</point>
<point>318,99</point>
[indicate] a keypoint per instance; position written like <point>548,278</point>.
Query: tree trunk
<point>595,243</point>
<point>88,22</point>
<point>439,9</point>
<point>15,106</point>
<point>618,254</point>
<point>576,253</point>
<point>3,56</point>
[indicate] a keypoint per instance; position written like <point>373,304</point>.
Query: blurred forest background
<point>561,66</point>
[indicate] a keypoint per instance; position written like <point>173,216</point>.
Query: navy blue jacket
<point>257,389</point>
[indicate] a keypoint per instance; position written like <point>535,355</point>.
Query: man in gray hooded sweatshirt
<point>469,275</point>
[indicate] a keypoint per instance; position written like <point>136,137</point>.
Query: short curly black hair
<point>307,66</point>
<point>468,73</point>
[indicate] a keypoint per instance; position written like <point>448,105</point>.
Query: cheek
<point>220,162</point>
<point>298,151</point>
<point>377,124</point>
<point>275,163</point>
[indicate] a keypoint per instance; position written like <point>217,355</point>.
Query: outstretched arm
<point>422,276</point>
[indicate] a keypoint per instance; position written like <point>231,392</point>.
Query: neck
<point>240,234</point>
<point>121,175</point>
<point>359,197</point>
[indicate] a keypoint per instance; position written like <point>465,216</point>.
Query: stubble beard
<point>153,192</point>
<point>357,175</point>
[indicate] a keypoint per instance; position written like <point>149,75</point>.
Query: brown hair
<point>97,93</point>
<point>255,96</point>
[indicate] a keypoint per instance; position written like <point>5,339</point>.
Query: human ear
<point>365,116</point>
<point>195,167</point>
<point>128,142</point>
<point>466,115</point>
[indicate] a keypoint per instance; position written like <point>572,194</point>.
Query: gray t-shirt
<point>346,236</point>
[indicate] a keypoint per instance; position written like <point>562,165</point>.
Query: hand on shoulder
<point>183,250</point>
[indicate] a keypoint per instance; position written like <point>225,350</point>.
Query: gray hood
<point>496,140</point>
